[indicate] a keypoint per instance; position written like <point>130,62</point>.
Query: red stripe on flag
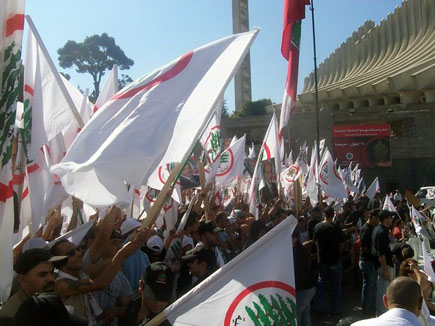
<point>28,89</point>
<point>15,23</point>
<point>294,10</point>
<point>18,178</point>
<point>32,168</point>
<point>171,73</point>
<point>25,193</point>
<point>95,108</point>
<point>6,191</point>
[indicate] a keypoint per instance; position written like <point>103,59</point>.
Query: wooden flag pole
<point>202,181</point>
<point>161,197</point>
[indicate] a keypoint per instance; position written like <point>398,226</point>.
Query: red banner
<point>368,145</point>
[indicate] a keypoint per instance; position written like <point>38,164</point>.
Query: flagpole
<point>56,74</point>
<point>316,91</point>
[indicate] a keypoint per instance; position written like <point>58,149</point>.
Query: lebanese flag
<point>329,179</point>
<point>150,123</point>
<point>245,289</point>
<point>11,34</point>
<point>294,12</point>
<point>110,88</point>
<point>373,189</point>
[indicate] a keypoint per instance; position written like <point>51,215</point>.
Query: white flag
<point>236,290</point>
<point>388,205</point>
<point>150,123</point>
<point>302,160</point>
<point>329,179</point>
<point>373,189</point>
<point>231,162</point>
<point>76,235</point>
<point>290,175</point>
<point>313,178</point>
<point>271,146</point>
<point>110,88</point>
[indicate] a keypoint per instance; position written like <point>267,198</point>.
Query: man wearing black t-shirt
<point>367,264</point>
<point>328,238</point>
<point>384,262</point>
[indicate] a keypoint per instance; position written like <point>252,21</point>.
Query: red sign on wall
<point>368,145</point>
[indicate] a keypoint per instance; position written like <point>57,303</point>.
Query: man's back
<point>328,237</point>
<point>393,317</point>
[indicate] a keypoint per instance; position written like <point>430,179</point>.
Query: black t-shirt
<point>366,243</point>
<point>380,245</point>
<point>310,226</point>
<point>328,237</point>
<point>303,277</point>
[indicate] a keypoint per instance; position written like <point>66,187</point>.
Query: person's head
<point>74,263</point>
<point>112,246</point>
<point>257,229</point>
<point>407,252</point>
<point>316,212</point>
<point>153,248</point>
<point>222,219</point>
<point>329,213</point>
<point>385,218</point>
<point>374,217</point>
<point>156,287</point>
<point>279,216</point>
<point>187,171</point>
<point>35,271</point>
<point>347,207</point>
<point>207,231</point>
<point>365,214</point>
<point>399,223</point>
<point>404,292</point>
<point>46,309</point>
<point>200,260</point>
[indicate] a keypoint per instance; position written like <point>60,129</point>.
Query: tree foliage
<point>253,108</point>
<point>95,55</point>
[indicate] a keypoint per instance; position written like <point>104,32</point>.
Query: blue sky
<point>154,32</point>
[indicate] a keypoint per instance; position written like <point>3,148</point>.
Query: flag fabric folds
<point>243,284</point>
<point>110,88</point>
<point>11,33</point>
<point>329,179</point>
<point>143,126</point>
<point>294,12</point>
<point>373,189</point>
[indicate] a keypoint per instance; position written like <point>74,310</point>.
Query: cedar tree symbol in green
<point>276,311</point>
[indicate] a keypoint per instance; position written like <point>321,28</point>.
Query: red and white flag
<point>294,12</point>
<point>373,189</point>
<point>154,121</point>
<point>329,179</point>
<point>110,88</point>
<point>388,205</point>
<point>11,33</point>
<point>231,162</point>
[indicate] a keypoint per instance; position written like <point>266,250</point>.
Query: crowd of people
<point>123,274</point>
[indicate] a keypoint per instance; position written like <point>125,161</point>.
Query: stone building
<point>382,74</point>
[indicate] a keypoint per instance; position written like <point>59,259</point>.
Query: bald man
<point>403,300</point>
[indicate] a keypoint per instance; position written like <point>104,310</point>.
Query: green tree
<point>95,55</point>
<point>253,108</point>
<point>225,113</point>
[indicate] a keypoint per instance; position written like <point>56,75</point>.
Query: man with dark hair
<point>201,262</point>
<point>367,264</point>
<point>403,300</point>
<point>329,240</point>
<point>384,258</point>
<point>35,273</point>
<point>208,231</point>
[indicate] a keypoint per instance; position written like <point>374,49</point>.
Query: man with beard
<point>35,274</point>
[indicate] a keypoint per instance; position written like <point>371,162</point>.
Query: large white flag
<point>110,88</point>
<point>11,33</point>
<point>271,147</point>
<point>246,290</point>
<point>373,189</point>
<point>329,179</point>
<point>154,121</point>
